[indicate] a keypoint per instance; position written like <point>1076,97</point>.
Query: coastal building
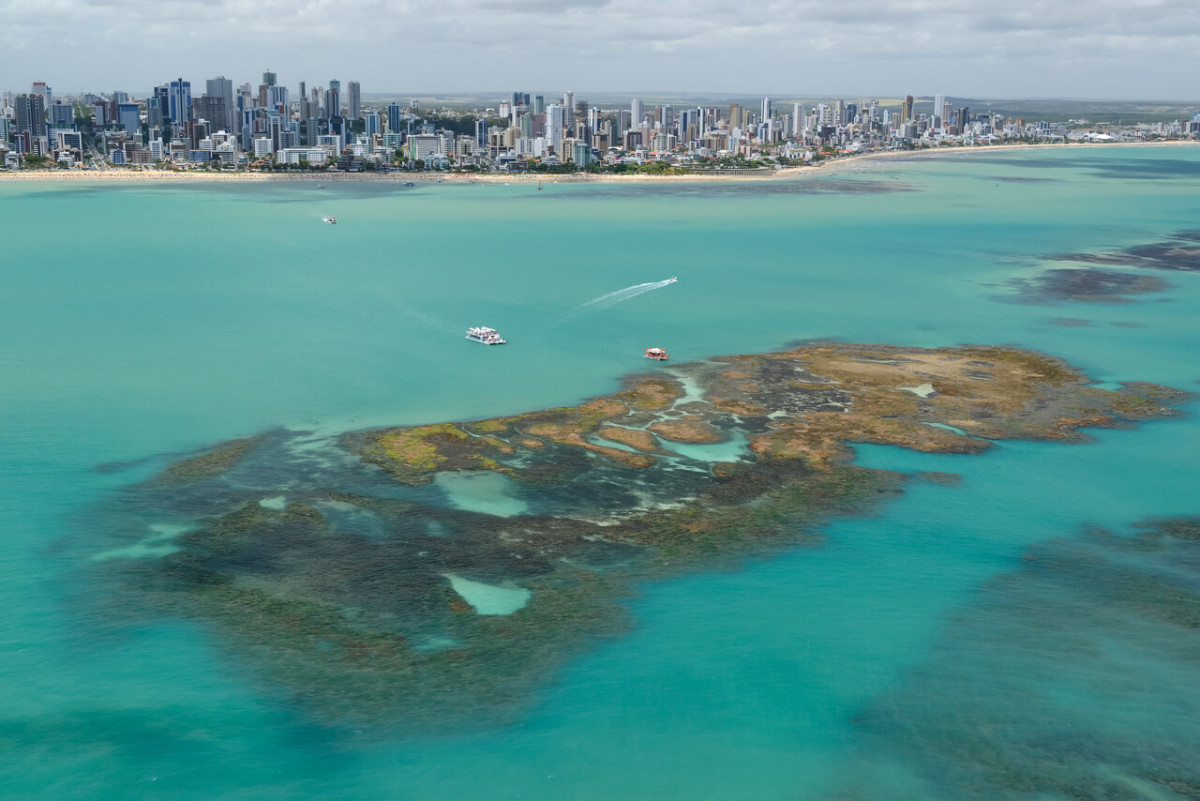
<point>277,98</point>
<point>222,88</point>
<point>30,114</point>
<point>129,117</point>
<point>422,147</point>
<point>62,115</point>
<point>179,95</point>
<point>295,155</point>
<point>354,99</point>
<point>939,102</point>
<point>554,127</point>
<point>581,154</point>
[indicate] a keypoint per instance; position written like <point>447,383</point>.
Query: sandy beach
<point>827,167</point>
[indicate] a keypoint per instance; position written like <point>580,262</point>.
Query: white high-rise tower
<point>554,128</point>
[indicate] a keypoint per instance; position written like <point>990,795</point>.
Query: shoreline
<point>828,167</point>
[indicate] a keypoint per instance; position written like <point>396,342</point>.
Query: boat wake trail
<point>620,296</point>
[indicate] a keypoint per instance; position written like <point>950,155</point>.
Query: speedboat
<point>486,336</point>
<point>672,280</point>
<point>657,354</point>
<point>330,220</point>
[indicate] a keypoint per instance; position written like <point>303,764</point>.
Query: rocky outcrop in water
<point>366,586</point>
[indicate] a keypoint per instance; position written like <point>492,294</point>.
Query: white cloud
<point>1027,47</point>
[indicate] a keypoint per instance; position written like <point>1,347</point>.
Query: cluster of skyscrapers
<point>233,125</point>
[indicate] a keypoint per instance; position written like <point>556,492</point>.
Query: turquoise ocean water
<point>970,641</point>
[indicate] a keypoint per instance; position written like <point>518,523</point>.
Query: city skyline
<point>1106,49</point>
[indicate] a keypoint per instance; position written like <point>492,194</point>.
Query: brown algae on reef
<point>344,594</point>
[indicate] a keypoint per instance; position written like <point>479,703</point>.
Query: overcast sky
<point>794,48</point>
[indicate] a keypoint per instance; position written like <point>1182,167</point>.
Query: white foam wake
<point>622,295</point>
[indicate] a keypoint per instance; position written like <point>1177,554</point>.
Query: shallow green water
<point>914,654</point>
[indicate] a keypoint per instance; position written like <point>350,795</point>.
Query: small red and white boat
<point>658,354</point>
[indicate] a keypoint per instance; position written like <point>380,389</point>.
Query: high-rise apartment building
<point>179,94</point>
<point>222,88</point>
<point>129,117</point>
<point>40,88</point>
<point>554,127</point>
<point>333,99</point>
<point>393,117</point>
<point>277,98</point>
<point>31,114</point>
<point>636,112</point>
<point>269,78</point>
<point>354,99</point>
<point>62,115</point>
<point>939,101</point>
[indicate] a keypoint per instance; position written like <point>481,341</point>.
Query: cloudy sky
<point>976,48</point>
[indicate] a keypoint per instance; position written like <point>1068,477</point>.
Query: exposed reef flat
<point>332,565</point>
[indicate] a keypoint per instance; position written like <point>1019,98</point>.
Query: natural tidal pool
<point>275,530</point>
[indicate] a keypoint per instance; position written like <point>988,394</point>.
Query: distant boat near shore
<point>657,354</point>
<point>330,220</point>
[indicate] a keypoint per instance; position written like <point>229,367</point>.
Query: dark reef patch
<point>1083,286</point>
<point>1018,179</point>
<point>344,574</point>
<point>803,185</point>
<point>1073,676</point>
<point>1180,253</point>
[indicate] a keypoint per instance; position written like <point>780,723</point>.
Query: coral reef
<point>331,574</point>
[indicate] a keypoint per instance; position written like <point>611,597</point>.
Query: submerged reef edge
<point>363,592</point>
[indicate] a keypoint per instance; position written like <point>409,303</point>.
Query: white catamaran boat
<point>488,336</point>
